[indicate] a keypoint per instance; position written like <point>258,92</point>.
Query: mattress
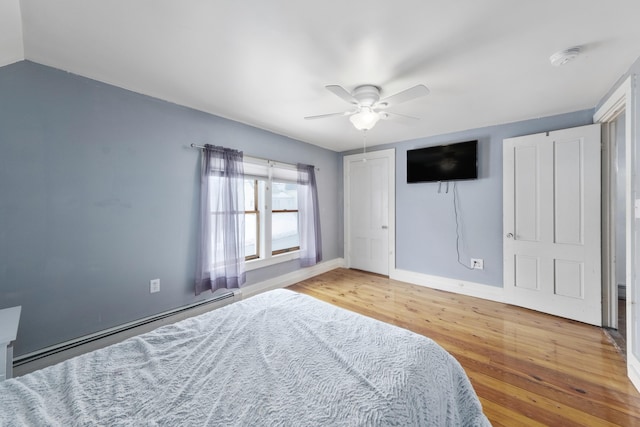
<point>276,359</point>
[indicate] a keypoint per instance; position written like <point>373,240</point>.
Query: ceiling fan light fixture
<point>366,106</point>
<point>365,119</point>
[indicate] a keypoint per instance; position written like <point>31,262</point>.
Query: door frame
<point>623,99</point>
<point>609,223</point>
<point>390,155</point>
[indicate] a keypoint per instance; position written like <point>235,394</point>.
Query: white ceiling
<point>265,63</point>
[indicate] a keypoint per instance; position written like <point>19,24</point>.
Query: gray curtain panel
<point>220,260</point>
<point>308,217</point>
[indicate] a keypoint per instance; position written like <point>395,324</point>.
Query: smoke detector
<point>562,57</point>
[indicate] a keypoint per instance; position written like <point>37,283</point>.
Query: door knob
<point>510,236</point>
<point>384,227</point>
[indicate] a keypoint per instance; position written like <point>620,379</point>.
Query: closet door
<point>551,219</point>
<point>369,229</point>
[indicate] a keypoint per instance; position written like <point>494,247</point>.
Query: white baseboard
<point>291,278</point>
<point>462,287</point>
<point>634,374</point>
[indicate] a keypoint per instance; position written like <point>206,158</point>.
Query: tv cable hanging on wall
<point>458,236</point>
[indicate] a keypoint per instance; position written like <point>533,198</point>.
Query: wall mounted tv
<point>450,162</point>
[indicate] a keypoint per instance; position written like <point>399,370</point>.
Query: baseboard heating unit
<point>66,350</point>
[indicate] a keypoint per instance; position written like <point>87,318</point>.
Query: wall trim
<point>462,287</point>
<point>624,97</point>
<point>633,373</point>
<point>292,278</point>
<point>618,101</point>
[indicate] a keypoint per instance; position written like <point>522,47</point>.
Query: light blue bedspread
<point>277,359</point>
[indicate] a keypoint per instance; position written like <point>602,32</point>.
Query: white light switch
<point>154,286</point>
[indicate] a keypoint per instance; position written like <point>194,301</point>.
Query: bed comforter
<point>276,359</point>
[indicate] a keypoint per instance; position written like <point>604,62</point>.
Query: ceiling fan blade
<point>404,96</point>
<point>386,115</point>
<point>341,92</point>
<point>323,116</point>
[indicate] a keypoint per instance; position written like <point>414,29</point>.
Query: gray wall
<point>425,221</point>
<point>98,195</point>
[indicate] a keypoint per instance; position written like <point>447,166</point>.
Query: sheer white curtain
<point>308,217</point>
<point>220,259</point>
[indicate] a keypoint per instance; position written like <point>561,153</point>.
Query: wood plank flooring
<point>528,368</point>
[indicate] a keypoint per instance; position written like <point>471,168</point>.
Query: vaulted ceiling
<point>265,63</point>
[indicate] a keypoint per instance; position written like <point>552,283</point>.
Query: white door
<point>369,214</point>
<point>552,223</point>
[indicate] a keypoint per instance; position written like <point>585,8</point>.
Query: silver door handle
<point>384,227</point>
<point>510,236</point>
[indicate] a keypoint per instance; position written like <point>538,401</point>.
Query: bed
<point>276,359</point>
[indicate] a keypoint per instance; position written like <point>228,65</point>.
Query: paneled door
<point>551,203</point>
<point>369,211</point>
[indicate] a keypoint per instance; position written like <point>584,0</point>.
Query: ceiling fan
<point>367,106</point>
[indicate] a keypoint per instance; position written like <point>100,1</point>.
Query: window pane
<point>284,196</point>
<point>249,195</point>
<point>284,231</point>
<point>251,226</point>
<point>250,235</point>
<point>284,225</point>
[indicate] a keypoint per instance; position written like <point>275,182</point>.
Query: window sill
<point>254,264</point>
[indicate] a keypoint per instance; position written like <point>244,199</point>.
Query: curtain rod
<point>201,147</point>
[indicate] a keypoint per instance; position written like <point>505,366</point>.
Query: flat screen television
<point>449,162</point>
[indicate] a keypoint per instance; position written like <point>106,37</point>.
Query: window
<point>271,212</point>
<point>251,220</point>
<point>284,218</point>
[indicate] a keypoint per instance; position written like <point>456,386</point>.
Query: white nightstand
<point>9,318</point>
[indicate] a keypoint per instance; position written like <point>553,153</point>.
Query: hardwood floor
<point>528,368</point>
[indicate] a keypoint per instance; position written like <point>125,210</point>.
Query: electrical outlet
<point>477,263</point>
<point>154,286</point>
